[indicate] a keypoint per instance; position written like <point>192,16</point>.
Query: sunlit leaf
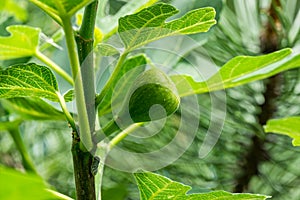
<point>287,126</point>
<point>19,186</point>
<point>109,23</point>
<point>69,95</point>
<point>242,69</point>
<point>22,42</point>
<point>149,24</point>
<point>238,71</point>
<point>153,186</point>
<point>28,80</point>
<point>58,8</point>
<point>32,109</point>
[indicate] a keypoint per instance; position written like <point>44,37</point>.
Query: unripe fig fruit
<point>153,96</point>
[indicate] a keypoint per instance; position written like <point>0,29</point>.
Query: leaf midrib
<point>36,77</point>
<point>142,29</point>
<point>172,32</point>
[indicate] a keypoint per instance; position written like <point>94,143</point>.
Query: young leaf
<point>238,71</point>
<point>28,80</point>
<point>287,126</point>
<point>110,23</point>
<point>149,24</point>
<point>61,8</point>
<point>153,186</point>
<point>22,42</point>
<point>32,109</point>
<point>137,62</point>
<point>18,186</point>
<point>69,95</point>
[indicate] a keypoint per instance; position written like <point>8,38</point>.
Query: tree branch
<point>83,160</point>
<point>257,153</point>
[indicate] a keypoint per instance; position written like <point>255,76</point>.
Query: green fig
<point>153,96</point>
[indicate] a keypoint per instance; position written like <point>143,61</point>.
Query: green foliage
<point>22,42</point>
<point>288,126</point>
<point>32,109</point>
<point>22,186</point>
<point>108,23</point>
<point>25,85</point>
<point>28,80</point>
<point>13,8</point>
<point>116,193</point>
<point>69,95</point>
<point>48,144</point>
<point>289,14</point>
<point>153,186</point>
<point>149,24</point>
<point>239,70</point>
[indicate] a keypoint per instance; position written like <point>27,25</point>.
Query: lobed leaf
<point>28,80</point>
<point>153,186</point>
<point>238,71</point>
<point>22,42</point>
<point>149,24</point>
<point>61,8</point>
<point>287,126</point>
<point>109,23</point>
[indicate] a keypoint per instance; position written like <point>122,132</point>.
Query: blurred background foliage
<point>244,159</point>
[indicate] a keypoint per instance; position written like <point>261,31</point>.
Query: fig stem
<point>111,79</point>
<point>26,159</point>
<point>54,67</point>
<point>118,138</point>
<point>84,126</point>
<point>64,108</point>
